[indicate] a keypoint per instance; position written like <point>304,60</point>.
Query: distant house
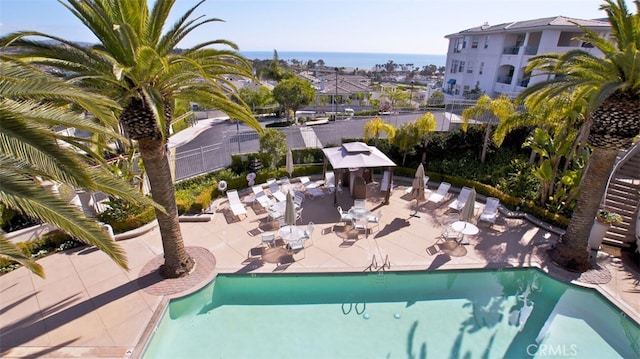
<point>492,59</point>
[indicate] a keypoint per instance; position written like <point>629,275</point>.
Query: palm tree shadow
<point>40,323</point>
<point>395,225</point>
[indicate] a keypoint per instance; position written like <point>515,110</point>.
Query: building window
<point>474,42</point>
<point>466,89</point>
<point>459,44</point>
<point>461,67</point>
<point>470,67</point>
<point>481,68</point>
<point>486,41</point>
<point>454,66</point>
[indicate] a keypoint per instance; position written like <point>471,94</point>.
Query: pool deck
<point>89,307</point>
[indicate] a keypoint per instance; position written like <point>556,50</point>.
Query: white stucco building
<point>492,59</point>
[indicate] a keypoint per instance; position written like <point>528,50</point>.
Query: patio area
<point>89,307</point>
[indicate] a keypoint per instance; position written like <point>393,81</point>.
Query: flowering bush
<point>607,217</point>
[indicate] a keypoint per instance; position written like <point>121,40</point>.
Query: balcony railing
<point>505,79</point>
<point>511,50</point>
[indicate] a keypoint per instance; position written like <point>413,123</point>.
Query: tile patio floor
<point>89,307</point>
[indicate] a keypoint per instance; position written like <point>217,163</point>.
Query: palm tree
<point>31,104</point>
<point>610,85</point>
<point>486,107</point>
<point>135,64</point>
<point>375,127</point>
<point>426,124</point>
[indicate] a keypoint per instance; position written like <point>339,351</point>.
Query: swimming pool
<point>486,313</point>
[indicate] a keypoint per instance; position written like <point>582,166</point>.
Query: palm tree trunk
<point>571,252</point>
<point>177,262</point>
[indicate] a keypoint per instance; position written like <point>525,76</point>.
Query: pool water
<point>489,313</point>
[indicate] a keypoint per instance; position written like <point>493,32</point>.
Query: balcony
<point>530,50</point>
<point>511,50</point>
<point>523,83</point>
<point>504,80</point>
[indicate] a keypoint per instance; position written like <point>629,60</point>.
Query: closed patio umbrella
<point>418,188</point>
<point>290,211</point>
<point>469,207</point>
<point>289,162</point>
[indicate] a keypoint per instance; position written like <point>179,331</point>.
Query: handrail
<point>630,152</point>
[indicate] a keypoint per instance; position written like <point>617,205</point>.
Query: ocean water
<point>361,60</point>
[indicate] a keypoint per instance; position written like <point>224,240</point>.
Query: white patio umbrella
<point>418,188</point>
<point>469,207</point>
<point>290,211</point>
<point>289,162</point>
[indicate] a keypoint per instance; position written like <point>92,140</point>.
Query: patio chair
<point>255,254</point>
<point>490,211</point>
<point>461,200</point>
<point>296,245</point>
<point>375,219</point>
<point>308,232</point>
<point>235,204</point>
<point>268,238</point>
<point>344,215</point>
<point>329,181</point>
<point>440,193</point>
<point>361,224</point>
<point>359,203</point>
<point>298,214</point>
<point>261,197</point>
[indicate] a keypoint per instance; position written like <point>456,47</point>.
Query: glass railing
<point>511,50</point>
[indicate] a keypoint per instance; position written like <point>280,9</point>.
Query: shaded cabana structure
<point>355,158</point>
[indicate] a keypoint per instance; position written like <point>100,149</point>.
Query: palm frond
<point>11,252</point>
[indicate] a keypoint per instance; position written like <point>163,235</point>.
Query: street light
<point>411,96</point>
<point>335,104</point>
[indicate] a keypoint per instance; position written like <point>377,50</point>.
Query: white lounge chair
<point>276,193</point>
<point>490,211</point>
<point>410,188</point>
<point>261,197</point>
<point>440,194</point>
<point>235,204</point>
<point>311,188</point>
<point>461,200</point>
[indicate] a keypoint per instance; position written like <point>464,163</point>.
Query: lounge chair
<point>490,211</point>
<point>235,204</point>
<point>311,188</point>
<point>261,197</point>
<point>276,193</point>
<point>440,193</point>
<point>330,182</point>
<point>410,188</point>
<point>461,200</point>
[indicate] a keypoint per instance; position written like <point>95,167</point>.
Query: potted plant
<point>604,219</point>
<point>605,216</point>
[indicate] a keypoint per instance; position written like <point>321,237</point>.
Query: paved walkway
<point>89,307</point>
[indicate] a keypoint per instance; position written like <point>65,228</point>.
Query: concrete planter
<point>597,234</point>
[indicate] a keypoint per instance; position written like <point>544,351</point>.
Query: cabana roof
<point>356,155</point>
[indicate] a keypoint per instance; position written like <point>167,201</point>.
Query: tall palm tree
<point>32,103</point>
<point>136,64</point>
<point>611,87</point>
<point>488,108</point>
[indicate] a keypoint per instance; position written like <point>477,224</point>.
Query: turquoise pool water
<point>493,314</point>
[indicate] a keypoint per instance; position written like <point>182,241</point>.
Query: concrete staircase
<point>623,197</point>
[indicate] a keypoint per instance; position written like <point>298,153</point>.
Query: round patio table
<point>466,229</point>
<point>289,233</point>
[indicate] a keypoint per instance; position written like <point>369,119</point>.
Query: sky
<point>376,26</point>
